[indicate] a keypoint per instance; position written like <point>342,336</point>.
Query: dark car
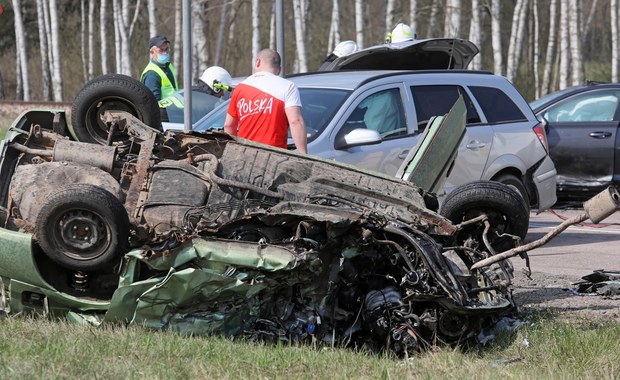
<point>582,133</point>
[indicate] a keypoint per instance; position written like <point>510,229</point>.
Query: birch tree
<point>256,28</point>
<point>91,39</point>
<point>614,39</point>
<point>551,44</point>
<point>389,16</point>
<point>220,32</point>
<point>334,28</point>
<point>177,54</point>
<point>452,21</point>
<point>83,38</point>
<point>564,45</point>
<point>272,26</point>
<point>475,32</point>
<point>103,35</point>
<point>413,13</point>
<point>200,53</point>
<point>575,16</point>
<point>45,65</point>
<point>55,47</point>
<point>359,23</point>
<point>516,39</point>
<point>150,5</point>
<point>22,56</point>
<point>496,37</point>
<point>536,55</point>
<point>300,27</point>
<point>433,27</point>
<point>124,24</point>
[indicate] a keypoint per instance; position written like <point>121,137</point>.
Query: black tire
<point>112,92</point>
<point>507,211</point>
<point>83,227</point>
<point>515,184</point>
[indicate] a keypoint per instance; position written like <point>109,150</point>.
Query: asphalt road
<point>578,250</point>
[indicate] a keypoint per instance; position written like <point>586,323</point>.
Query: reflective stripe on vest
<point>171,100</point>
<point>167,88</point>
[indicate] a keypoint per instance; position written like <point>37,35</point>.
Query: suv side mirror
<point>357,137</point>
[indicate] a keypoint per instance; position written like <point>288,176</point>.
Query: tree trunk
<point>496,39</point>
<point>575,16</point>
<point>272,26</point>
<point>536,55</point>
<point>299,36</point>
<point>614,40</point>
<point>83,38</point>
<point>116,18</point>
<point>475,33</point>
<point>200,53</point>
<point>256,47</point>
<point>588,23</point>
<point>516,39</point>
<point>91,39</point>
<point>551,43</point>
<point>150,4</point>
<point>359,23</point>
<point>413,12</point>
<point>433,27</point>
<point>45,63</point>
<point>564,45</point>
<point>220,32</point>
<point>177,52</point>
<point>103,36</point>
<point>452,23</point>
<point>22,55</point>
<point>56,61</point>
<point>389,16</point>
<point>334,28</point>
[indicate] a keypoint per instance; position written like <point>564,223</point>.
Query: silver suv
<point>372,119</point>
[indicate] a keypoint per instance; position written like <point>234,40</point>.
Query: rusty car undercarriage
<point>209,234</point>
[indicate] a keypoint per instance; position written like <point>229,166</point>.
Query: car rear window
<point>496,105</point>
<point>438,100</point>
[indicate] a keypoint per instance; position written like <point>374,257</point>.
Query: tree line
<point>58,45</point>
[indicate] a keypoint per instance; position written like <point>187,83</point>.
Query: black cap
<point>157,41</point>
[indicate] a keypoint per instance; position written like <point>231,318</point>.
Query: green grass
<point>38,348</point>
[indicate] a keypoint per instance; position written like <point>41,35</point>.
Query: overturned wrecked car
<point>203,233</point>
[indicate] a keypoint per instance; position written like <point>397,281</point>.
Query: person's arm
<point>153,82</point>
<point>230,125</point>
<point>298,128</point>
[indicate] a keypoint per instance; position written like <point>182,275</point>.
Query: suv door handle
<point>402,155</point>
<point>475,144</point>
<point>600,135</point>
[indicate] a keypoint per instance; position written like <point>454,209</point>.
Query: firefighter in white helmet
<point>214,83</point>
<point>401,32</point>
<point>344,48</point>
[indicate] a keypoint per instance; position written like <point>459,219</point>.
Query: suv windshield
<point>318,108</point>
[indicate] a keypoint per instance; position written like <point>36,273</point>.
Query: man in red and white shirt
<point>265,105</point>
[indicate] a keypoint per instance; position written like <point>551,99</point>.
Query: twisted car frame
<point>203,233</point>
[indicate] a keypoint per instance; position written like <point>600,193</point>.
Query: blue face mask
<point>163,58</point>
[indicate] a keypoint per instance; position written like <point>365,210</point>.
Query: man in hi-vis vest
<point>159,75</point>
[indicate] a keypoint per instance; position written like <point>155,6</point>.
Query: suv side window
<point>496,105</point>
<point>438,100</point>
<point>382,112</point>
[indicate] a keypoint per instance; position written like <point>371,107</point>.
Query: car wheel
<point>112,92</point>
<point>83,227</point>
<point>506,210</point>
<point>515,184</point>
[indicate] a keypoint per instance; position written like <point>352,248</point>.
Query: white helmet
<point>345,48</point>
<point>401,32</point>
<point>217,78</point>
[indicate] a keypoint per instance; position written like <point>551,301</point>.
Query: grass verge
<point>544,348</point>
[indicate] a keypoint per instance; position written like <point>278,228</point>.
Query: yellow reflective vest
<point>167,88</point>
